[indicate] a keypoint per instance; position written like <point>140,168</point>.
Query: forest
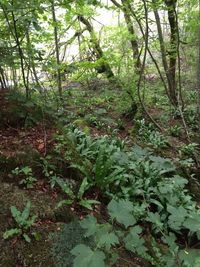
<point>100,133</point>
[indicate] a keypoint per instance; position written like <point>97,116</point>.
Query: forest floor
<point>25,146</point>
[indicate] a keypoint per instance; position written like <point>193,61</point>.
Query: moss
<point>64,241</point>
<point>36,253</point>
<point>9,160</point>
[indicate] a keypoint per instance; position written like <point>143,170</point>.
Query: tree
<point>104,66</point>
<point>169,67</point>
<point>126,9</point>
<point>59,80</point>
<point>198,69</point>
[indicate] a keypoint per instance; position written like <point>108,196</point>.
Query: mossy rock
<point>71,234</point>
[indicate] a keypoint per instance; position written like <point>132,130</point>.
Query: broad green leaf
<point>31,221</point>
<point>64,202</point>
<point>11,233</point>
<point>26,212</point>
<point>177,217</point>
<point>162,164</point>
<point>85,257</point>
<point>190,257</point>
<point>27,238</point>
<point>122,211</point>
<point>87,203</point>
<point>140,152</point>
<point>16,214</point>
<point>134,242</point>
<point>107,240</point>
<point>83,187</point>
<point>114,258</point>
<point>65,187</point>
<point>26,170</point>
<point>155,219</point>
<point>170,240</point>
<point>90,225</point>
<point>37,236</point>
<point>193,222</point>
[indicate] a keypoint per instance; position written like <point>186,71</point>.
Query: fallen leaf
<point>41,146</point>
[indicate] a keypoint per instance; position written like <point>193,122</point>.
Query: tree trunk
<point>2,79</point>
<point>105,67</point>
<point>31,60</point>
<point>170,69</point>
<point>59,79</point>
<point>173,51</point>
<point>21,55</point>
<point>134,44</point>
<point>198,69</point>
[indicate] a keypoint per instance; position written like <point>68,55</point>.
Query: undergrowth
<point>150,212</point>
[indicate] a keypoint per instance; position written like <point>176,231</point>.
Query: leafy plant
<point>67,188</point>
<point>49,170</point>
<point>120,124</point>
<point>175,130</point>
<point>23,221</point>
<point>29,179</point>
<point>157,140</point>
<point>94,158</point>
<point>123,230</point>
<point>145,190</point>
<point>189,149</point>
<point>148,134</point>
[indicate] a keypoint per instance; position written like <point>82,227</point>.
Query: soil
<point>21,146</point>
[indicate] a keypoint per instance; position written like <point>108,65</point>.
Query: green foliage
<point>29,179</point>
<point>86,257</point>
<point>94,158</point>
<point>22,112</point>
<point>130,235</point>
<point>175,130</point>
<point>122,212</point>
<point>189,149</point>
<point>65,240</point>
<point>23,222</point>
<point>148,134</point>
<point>191,117</point>
<point>157,140</point>
<point>77,196</point>
<point>104,163</point>
<point>145,191</point>
<point>134,242</point>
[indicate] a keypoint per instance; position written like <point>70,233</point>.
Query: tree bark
<point>134,43</point>
<point>198,69</point>
<point>169,68</point>
<point>126,9</point>
<point>31,59</point>
<point>171,7</point>
<point>97,48</point>
<point>59,78</point>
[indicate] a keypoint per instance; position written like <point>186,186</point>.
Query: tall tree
<point>198,68</point>
<point>126,9</point>
<point>104,67</point>
<point>169,67</point>
<point>59,78</point>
